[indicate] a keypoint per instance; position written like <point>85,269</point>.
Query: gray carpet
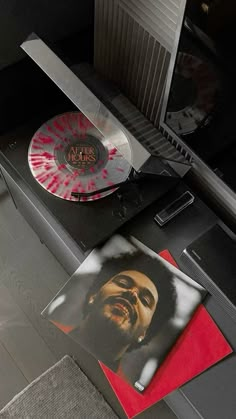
<point>62,392</point>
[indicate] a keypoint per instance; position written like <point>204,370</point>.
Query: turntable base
<point>88,223</point>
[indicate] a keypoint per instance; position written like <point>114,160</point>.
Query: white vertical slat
<point>133,41</point>
<point>159,18</point>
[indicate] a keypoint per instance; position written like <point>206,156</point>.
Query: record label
<point>84,155</point>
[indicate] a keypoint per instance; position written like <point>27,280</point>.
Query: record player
<point>86,164</point>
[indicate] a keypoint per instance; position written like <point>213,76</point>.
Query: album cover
<point>199,347</point>
<point>126,306</point>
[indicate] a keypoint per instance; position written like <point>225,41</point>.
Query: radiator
<point>133,42</point>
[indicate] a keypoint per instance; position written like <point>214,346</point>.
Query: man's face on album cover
<point>129,300</point>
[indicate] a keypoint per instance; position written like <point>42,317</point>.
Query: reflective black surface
<point>202,107</point>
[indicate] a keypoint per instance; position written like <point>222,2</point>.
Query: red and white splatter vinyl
<point>68,154</point>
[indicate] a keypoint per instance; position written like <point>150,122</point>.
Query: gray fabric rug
<point>62,392</point>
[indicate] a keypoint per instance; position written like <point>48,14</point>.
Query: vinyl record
<point>68,154</point>
<point>193,93</point>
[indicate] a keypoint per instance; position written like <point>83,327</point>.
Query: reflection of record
<point>193,93</point>
<point>68,154</point>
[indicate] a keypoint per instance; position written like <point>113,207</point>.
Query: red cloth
<point>199,347</point>
<point>65,328</point>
